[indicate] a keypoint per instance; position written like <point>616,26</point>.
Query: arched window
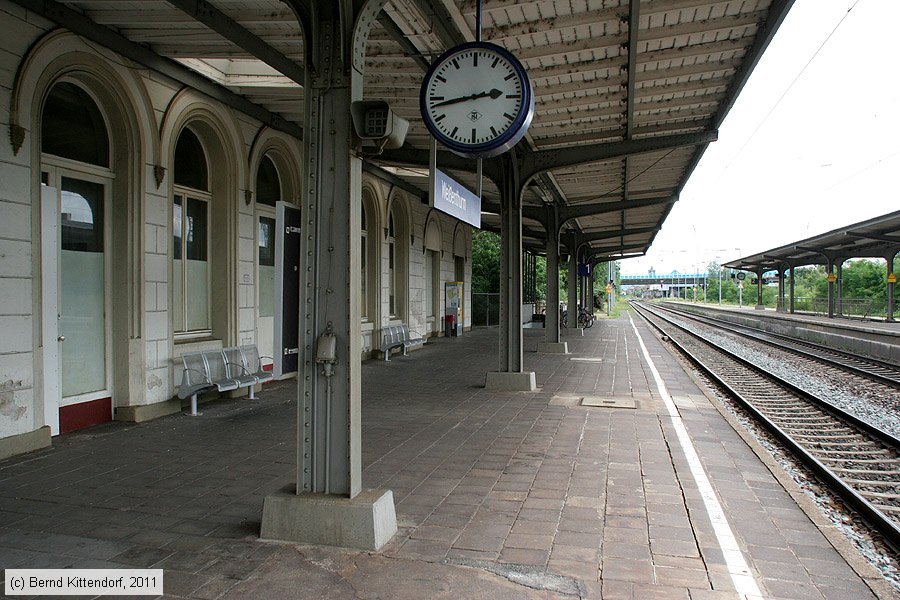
<point>392,273</point>
<point>363,264</point>
<point>73,127</point>
<point>75,161</point>
<point>190,231</point>
<point>268,183</point>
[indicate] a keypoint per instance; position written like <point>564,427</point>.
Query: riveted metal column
<point>572,304</point>
<point>791,291</point>
<point>780,304</point>
<point>551,317</point>
<point>510,375</point>
<point>551,341</point>
<point>510,286</point>
<point>840,288</point>
<point>329,429</point>
<point>759,290</point>
<point>890,286</point>
<point>829,269</point>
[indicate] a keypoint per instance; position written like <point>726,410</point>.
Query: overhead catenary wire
<point>790,86</point>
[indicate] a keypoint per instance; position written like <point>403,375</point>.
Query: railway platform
<point>877,339</point>
<point>617,479</point>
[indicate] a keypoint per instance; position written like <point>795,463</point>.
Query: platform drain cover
<point>586,359</point>
<point>607,402</point>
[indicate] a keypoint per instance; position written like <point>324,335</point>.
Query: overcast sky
<point>802,152</point>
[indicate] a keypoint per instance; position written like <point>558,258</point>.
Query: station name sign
<point>451,197</point>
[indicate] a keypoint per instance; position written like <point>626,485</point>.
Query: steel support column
<point>780,304</point>
<point>791,291</point>
<point>572,304</point>
<point>329,429</point>
<point>890,286</point>
<point>759,290</point>
<point>551,315</point>
<point>840,288</point>
<point>510,376</point>
<point>829,268</point>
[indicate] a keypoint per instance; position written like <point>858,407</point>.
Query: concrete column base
<point>25,442</point>
<point>146,412</point>
<point>759,307</point>
<point>498,381</point>
<point>365,522</point>
<point>554,347</point>
<point>578,331</point>
<point>781,309</point>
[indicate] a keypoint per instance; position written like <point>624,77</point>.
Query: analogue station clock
<point>476,100</point>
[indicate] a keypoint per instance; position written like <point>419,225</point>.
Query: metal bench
<point>398,336</point>
<point>222,370</point>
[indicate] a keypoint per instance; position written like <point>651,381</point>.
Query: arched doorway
<point>76,259</point>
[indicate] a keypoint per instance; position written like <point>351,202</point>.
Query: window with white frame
<point>363,266</point>
<point>190,237</point>
<point>392,274</point>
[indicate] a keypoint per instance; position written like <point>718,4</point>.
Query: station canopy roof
<point>628,94</point>
<point>875,238</point>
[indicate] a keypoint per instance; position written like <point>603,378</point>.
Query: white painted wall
<point>152,374</point>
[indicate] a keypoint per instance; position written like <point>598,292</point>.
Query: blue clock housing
<point>475,121</point>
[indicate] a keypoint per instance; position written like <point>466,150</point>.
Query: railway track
<point>877,370</point>
<point>858,461</point>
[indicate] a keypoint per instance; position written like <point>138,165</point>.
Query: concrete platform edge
<point>366,522</point>
<point>873,578</point>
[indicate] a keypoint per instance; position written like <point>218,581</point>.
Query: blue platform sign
<point>451,197</point>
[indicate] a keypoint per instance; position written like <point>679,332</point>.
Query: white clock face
<point>475,97</point>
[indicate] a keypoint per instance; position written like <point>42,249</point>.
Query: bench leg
<point>194,412</point>
<point>387,355</point>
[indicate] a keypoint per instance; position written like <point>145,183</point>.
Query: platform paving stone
<point>498,494</point>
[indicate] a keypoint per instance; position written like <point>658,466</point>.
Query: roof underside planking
<point>604,72</point>
<point>875,238</point>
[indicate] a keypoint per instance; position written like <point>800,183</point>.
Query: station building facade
<point>137,222</point>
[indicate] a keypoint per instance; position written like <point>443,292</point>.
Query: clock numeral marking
<point>494,64</point>
<point>493,131</point>
<point>509,96</point>
<point>441,79</point>
<point>436,98</point>
<point>508,116</point>
<point>473,135</point>
<point>474,59</point>
<point>455,63</point>
<point>439,118</point>
<point>508,77</point>
<point>453,133</point>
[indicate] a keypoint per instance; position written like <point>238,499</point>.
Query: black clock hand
<point>493,94</point>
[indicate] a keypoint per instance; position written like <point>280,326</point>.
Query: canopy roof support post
<point>510,376</point>
<point>889,306</point>
<point>759,290</point>
<point>791,291</point>
<point>572,282</point>
<point>829,268</point>
<point>551,341</point>
<point>840,288</point>
<point>328,488</point>
<point>780,306</point>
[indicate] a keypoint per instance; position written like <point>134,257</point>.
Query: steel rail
<point>878,370</point>
<point>881,522</point>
